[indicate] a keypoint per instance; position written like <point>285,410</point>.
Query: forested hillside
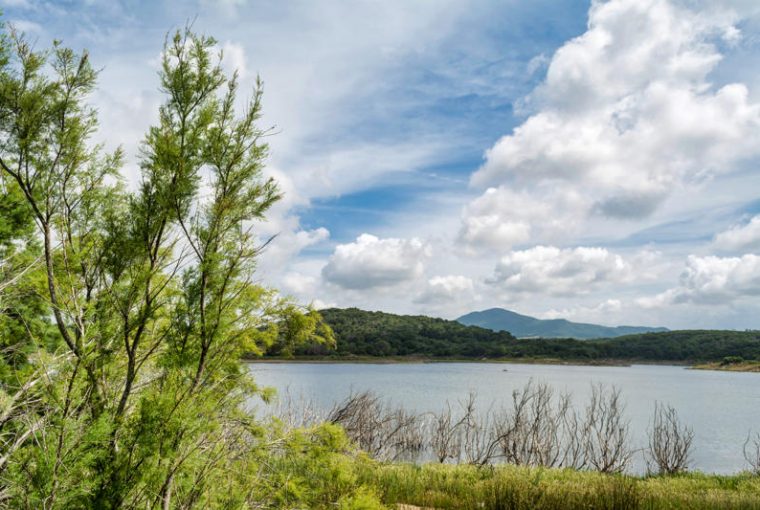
<point>684,345</point>
<point>365,333</point>
<point>362,333</point>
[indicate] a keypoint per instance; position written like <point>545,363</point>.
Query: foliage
<point>519,487</point>
<point>383,334</point>
<point>686,345</point>
<point>361,333</point>
<point>125,314</point>
<point>315,467</point>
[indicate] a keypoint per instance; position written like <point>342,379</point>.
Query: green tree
<point>140,391</point>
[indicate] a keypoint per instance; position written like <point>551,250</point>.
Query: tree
<point>151,293</point>
<point>670,442</point>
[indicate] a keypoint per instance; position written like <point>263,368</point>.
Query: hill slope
<point>363,333</point>
<point>378,334</point>
<point>523,326</point>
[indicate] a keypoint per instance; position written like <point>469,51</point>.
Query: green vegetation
<point>361,333</point>
<point>515,487</point>
<point>523,326</point>
<point>733,366</point>
<point>124,315</point>
<point>382,334</point>
<point>687,345</point>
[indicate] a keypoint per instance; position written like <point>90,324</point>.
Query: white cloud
<point>289,237</point>
<point>559,272</point>
<point>234,59</point>
<point>228,8</point>
<point>24,4</point>
<point>360,166</point>
<point>606,312</point>
<point>501,218</point>
<point>373,262</point>
<point>321,305</point>
<point>299,284</point>
<point>740,237</point>
<point>446,289</point>
<point>26,27</point>
<point>712,280</point>
<point>626,115</point>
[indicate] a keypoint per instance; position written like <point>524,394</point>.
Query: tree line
<point>362,333</point>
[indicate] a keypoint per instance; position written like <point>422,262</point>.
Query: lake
<point>721,407</point>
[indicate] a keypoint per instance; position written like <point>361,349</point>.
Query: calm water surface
<point>721,407</point>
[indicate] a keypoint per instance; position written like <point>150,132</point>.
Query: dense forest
<point>363,333</point>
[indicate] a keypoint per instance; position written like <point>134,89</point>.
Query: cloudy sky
<point>563,158</point>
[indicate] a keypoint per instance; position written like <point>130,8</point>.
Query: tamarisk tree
<point>149,293</point>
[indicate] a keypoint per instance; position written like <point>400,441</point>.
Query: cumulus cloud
<point>558,272</point>
<point>304,238</point>
<point>502,218</point>
<point>299,283</point>
<point>446,289</point>
<point>289,242</point>
<point>321,305</point>
<point>372,262</point>
<point>289,238</point>
<point>712,280</point>
<point>625,116</point>
<point>602,313</point>
<point>234,59</point>
<point>740,237</point>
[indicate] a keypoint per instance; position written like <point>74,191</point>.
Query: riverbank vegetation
<point>541,451</point>
<point>730,364</point>
<point>466,487</point>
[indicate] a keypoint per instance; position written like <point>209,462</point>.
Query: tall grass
<point>516,488</point>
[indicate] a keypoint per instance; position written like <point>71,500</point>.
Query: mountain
<point>523,326</point>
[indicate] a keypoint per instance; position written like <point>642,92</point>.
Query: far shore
<point>422,359</point>
<point>747,366</point>
<point>743,366</point>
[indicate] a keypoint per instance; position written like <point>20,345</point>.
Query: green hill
<point>363,333</point>
<point>524,326</point>
<point>379,334</point>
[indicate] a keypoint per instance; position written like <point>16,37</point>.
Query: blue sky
<point>590,160</point>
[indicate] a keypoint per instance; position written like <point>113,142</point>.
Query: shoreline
<point>746,367</point>
<point>719,366</point>
<point>425,360</point>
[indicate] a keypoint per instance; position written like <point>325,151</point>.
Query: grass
<point>515,488</point>
<point>741,366</point>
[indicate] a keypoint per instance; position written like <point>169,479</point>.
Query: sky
<point>596,161</point>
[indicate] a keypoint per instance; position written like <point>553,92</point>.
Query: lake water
<point>721,407</point>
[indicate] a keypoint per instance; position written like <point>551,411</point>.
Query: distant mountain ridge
<point>524,326</point>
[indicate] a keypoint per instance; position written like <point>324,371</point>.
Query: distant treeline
<point>362,333</point>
